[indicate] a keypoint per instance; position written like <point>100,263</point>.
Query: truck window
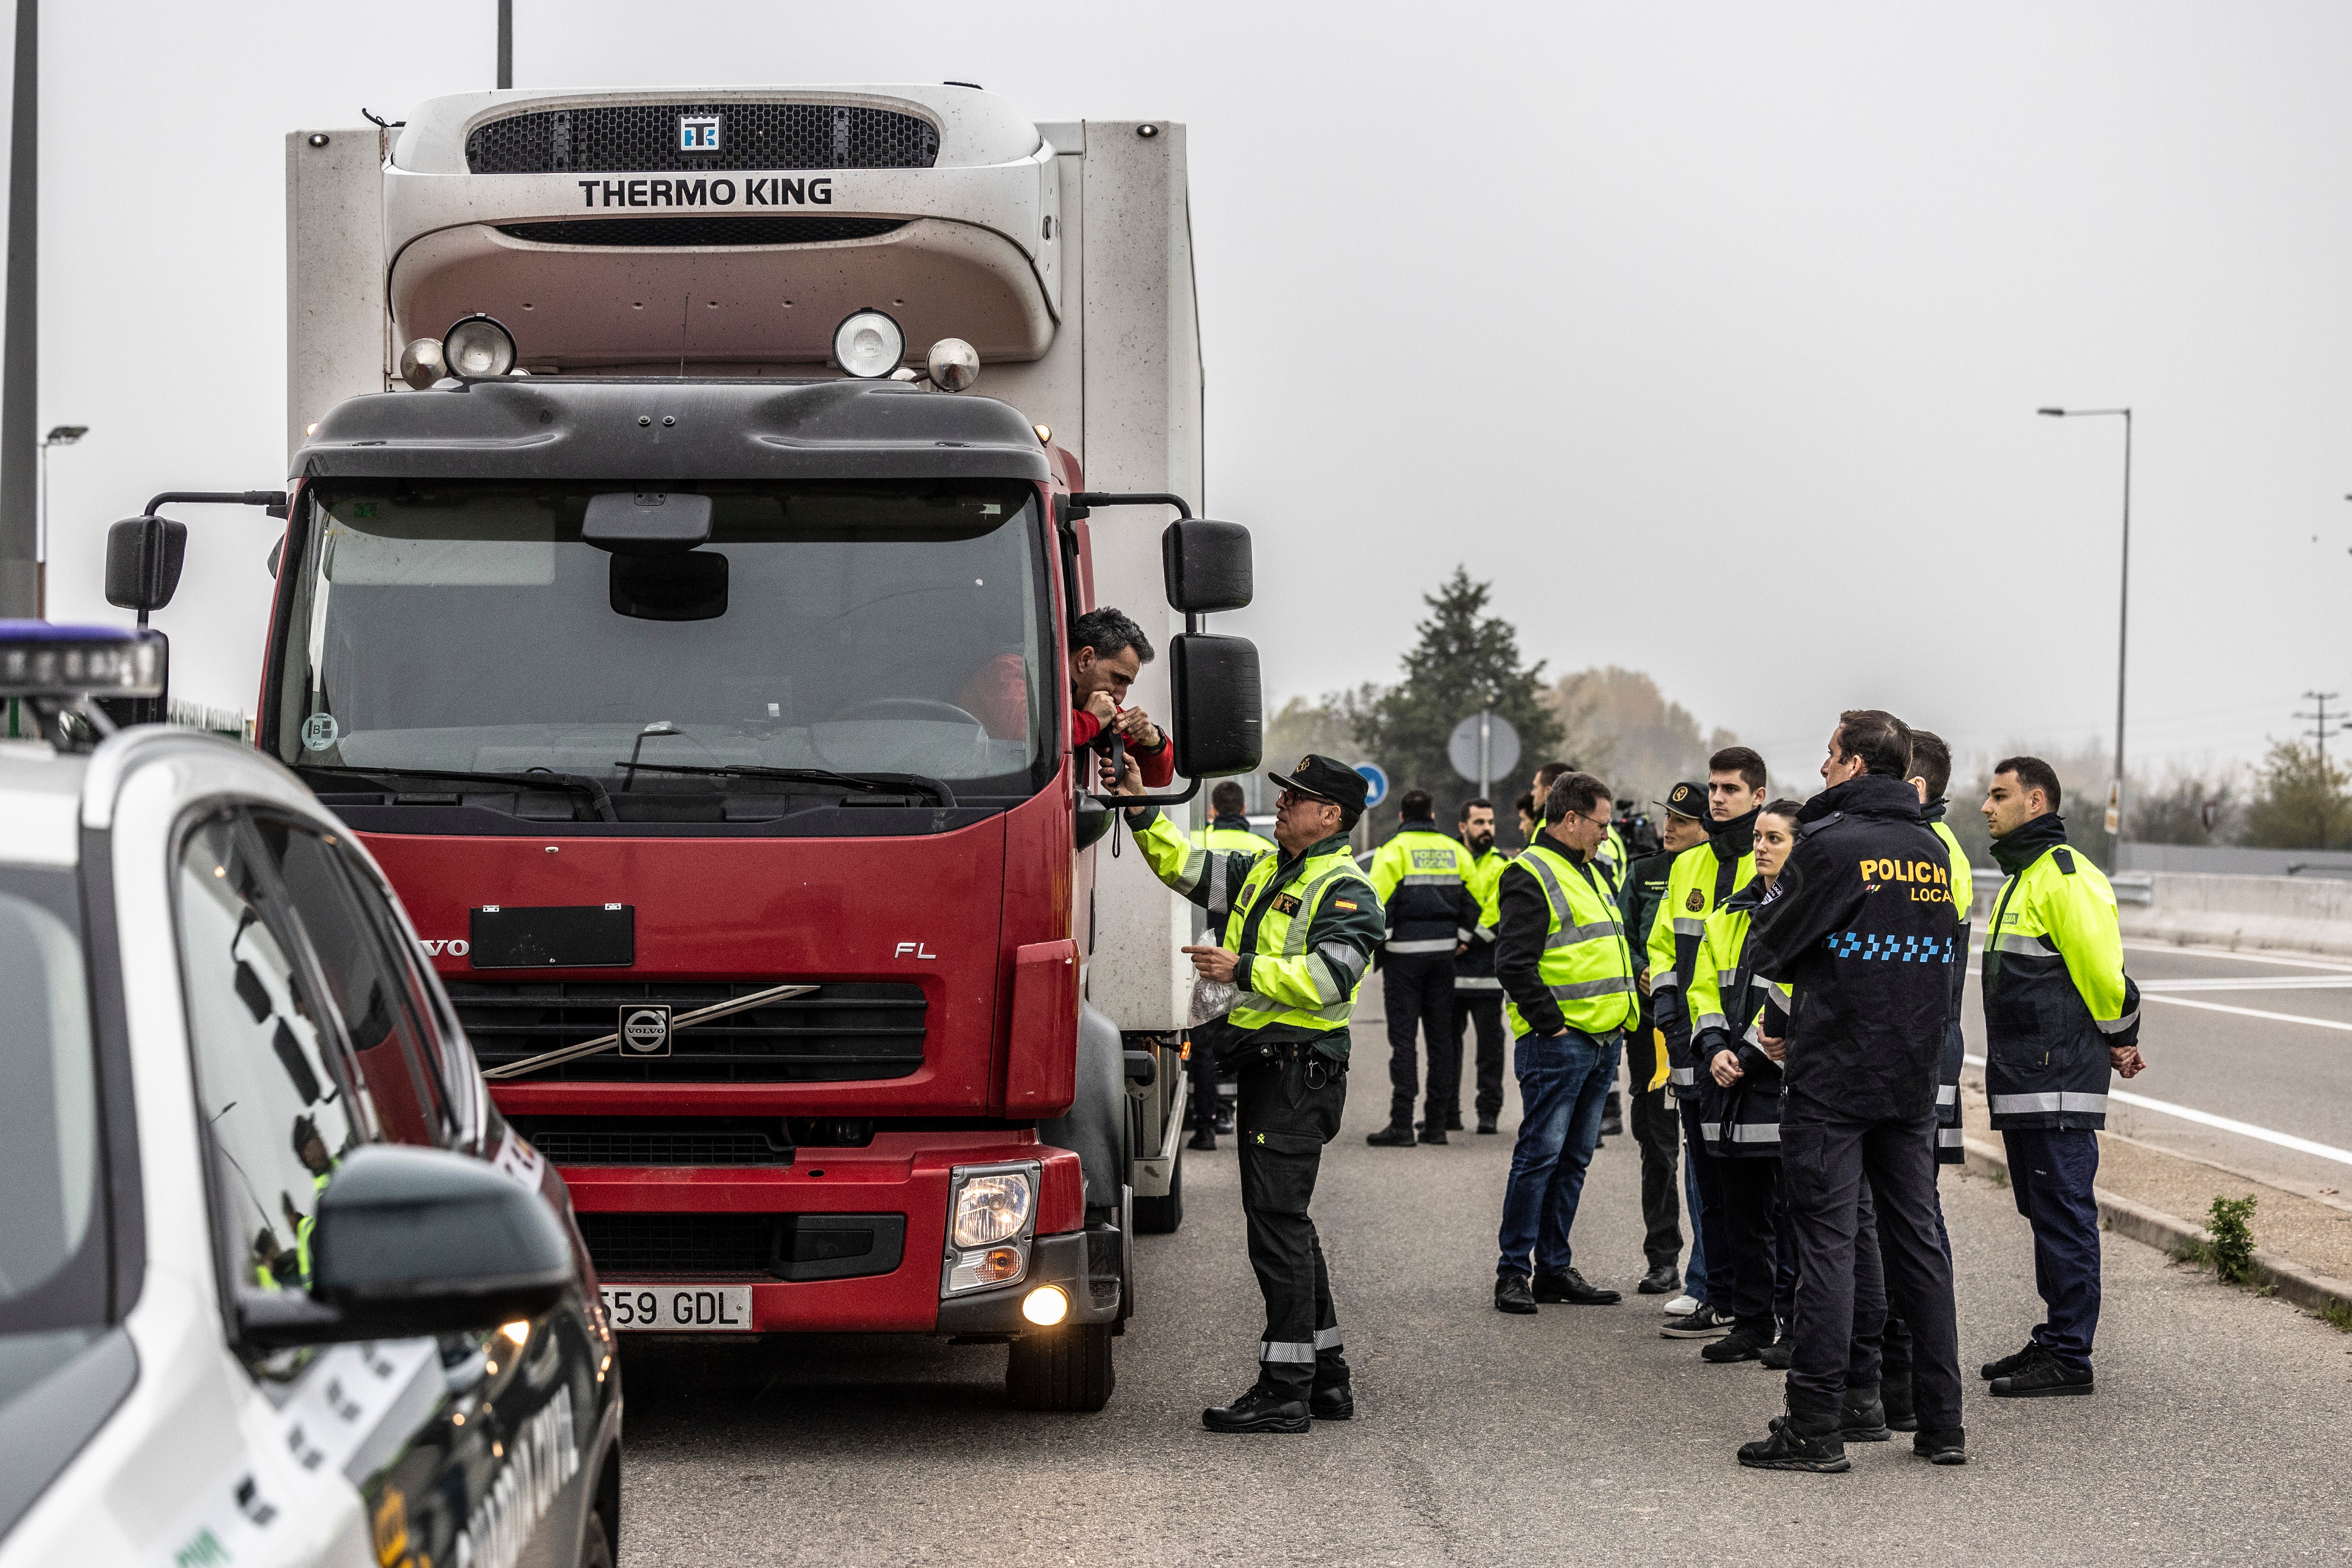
<point>53,1259</point>
<point>467,626</point>
<point>271,1090</point>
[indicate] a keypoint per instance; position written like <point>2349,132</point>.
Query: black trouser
<point>1483,1008</point>
<point>1418,989</point>
<point>1715,1235</point>
<point>1289,1108</point>
<point>1200,1067</point>
<point>1836,1173</point>
<point>1658,1130</point>
<point>1754,1294</point>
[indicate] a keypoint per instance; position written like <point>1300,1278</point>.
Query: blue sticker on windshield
<point>318,732</point>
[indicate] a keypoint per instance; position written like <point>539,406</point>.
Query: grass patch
<point>2000,1176</point>
<point>2336,1316</point>
<point>2231,1247</point>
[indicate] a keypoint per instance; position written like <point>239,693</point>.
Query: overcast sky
<point>1712,334</point>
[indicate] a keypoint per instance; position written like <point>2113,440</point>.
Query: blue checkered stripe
<point>1895,950</point>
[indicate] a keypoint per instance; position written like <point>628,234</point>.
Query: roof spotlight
<point>421,363</point>
<point>477,347</point>
<point>868,345</point>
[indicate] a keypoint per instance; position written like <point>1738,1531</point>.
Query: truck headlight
<point>478,347</point>
<point>990,1209</point>
<point>868,343</point>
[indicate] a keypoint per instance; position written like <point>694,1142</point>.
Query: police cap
<point>1686,799</point>
<point>1325,779</point>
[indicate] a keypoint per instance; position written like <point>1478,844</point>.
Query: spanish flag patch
<point>1346,904</point>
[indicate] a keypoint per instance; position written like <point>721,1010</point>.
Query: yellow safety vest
<point>1586,965</point>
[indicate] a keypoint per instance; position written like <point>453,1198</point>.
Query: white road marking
<point>2248,1012</point>
<point>2338,967</point>
<point>2206,1119</point>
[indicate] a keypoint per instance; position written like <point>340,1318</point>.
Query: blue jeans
<point>1695,1272</point>
<point>1563,1083</point>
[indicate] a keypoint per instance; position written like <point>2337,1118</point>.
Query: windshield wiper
<point>594,791</point>
<point>870,782</point>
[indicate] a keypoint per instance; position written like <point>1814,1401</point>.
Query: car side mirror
<point>411,1241</point>
<point>1206,564</point>
<point>143,555</point>
<point>1219,710</point>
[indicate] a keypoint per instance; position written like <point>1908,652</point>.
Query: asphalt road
<point>1579,1435</point>
<point>2211,1048</point>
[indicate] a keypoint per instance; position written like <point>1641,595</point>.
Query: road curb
<point>2171,1234</point>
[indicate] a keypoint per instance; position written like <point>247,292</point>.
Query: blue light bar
<point>40,659</point>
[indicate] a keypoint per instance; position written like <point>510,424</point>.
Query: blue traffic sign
<point>1377,781</point>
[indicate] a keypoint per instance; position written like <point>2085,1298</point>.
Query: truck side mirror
<point>143,555</point>
<point>1219,723</point>
<point>1207,564</point>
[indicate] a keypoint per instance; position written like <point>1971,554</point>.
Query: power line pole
<point>505,43</point>
<point>20,368</point>
<point>2321,732</point>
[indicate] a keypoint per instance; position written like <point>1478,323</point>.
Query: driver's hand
<point>1099,704</point>
<point>1136,726</point>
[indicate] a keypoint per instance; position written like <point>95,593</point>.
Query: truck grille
<point>657,1140</point>
<point>655,232</point>
<point>836,1033</point>
<point>716,1247</point>
<point>643,138</point>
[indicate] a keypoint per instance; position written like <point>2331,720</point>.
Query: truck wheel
<point>1161,1216</point>
<point>1068,1368</point>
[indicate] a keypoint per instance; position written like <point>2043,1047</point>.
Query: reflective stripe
<point>1667,982</point>
<point>1755,1035</point>
<point>1267,1349</point>
<point>1586,988</point>
<point>1948,1137</point>
<point>1328,1338</point>
<point>1486,934</point>
<point>1434,944</point>
<point>1463,933</point>
<point>1706,1021</point>
<point>1712,1131</point>
<point>1327,984</point>
<point>2038,947</point>
<point>1429,879</point>
<point>1783,993</point>
<point>1219,893</point>
<point>1755,1132</point>
<point>1476,983</point>
<point>2118,1026</point>
<point>1947,1094</point>
<point>1196,861</point>
<point>1344,959</point>
<point>1683,1076</point>
<point>2024,1104</point>
<point>1686,926</point>
<point>1569,936</point>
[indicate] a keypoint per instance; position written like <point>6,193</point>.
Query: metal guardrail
<point>2134,887</point>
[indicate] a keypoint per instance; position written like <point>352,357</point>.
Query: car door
<point>310,1039</point>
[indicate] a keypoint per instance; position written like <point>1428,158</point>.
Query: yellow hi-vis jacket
<point>1585,969</point>
<point>1305,928</point>
<point>2055,993</point>
<point>1698,885</point>
<point>1422,878</point>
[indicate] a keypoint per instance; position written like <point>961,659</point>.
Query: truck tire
<point>1068,1368</point>
<point>1161,1216</point>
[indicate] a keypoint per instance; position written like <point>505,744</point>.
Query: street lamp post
<point>61,436</point>
<point>2122,604</point>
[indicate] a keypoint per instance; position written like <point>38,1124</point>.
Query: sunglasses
<point>1293,796</point>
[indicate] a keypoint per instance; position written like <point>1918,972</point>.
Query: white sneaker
<point>1682,1306</point>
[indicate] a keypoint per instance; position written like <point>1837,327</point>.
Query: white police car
<point>277,1284</point>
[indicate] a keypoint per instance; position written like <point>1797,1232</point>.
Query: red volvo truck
<point>689,650</point>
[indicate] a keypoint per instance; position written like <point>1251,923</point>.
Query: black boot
<point>1806,1441</point>
<point>1511,1295</point>
<point>1223,1119</point>
<point>1395,1135</point>
<point>1862,1418</point>
<point>1663,1280</point>
<point>1433,1130</point>
<point>1739,1344</point>
<point>1946,1446</point>
<point>1779,1352</point>
<point>1333,1397</point>
<point>1901,1414</point>
<point>1262,1409</point>
<point>1203,1140</point>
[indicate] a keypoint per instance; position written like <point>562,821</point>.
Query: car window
<point>363,972</point>
<point>270,1086</point>
<point>446,1064</point>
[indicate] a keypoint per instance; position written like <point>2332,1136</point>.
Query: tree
<point>1627,732</point>
<point>1466,661</point>
<point>2301,801</point>
<point>2189,807</point>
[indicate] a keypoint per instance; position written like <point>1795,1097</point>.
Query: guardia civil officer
<point>1567,981</point>
<point>2060,1015</point>
<point>1478,995</point>
<point>1299,928</point>
<point>1657,1125</point>
<point>1862,935</point>
<point>1229,832</point>
<point>1422,877</point>
<point>1702,880</point>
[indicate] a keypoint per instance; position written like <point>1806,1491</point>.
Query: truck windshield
<point>857,628</point>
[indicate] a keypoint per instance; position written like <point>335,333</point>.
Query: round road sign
<point>1376,782</point>
<point>1489,732</point>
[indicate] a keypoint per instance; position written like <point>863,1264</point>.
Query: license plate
<point>679,1309</point>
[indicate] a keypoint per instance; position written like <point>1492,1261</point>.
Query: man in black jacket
<point>1657,1124</point>
<point>1863,934</point>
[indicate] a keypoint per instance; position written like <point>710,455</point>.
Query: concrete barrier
<point>2307,914</point>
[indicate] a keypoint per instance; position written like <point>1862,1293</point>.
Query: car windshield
<point>855,628</point>
<point>52,1263</point>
